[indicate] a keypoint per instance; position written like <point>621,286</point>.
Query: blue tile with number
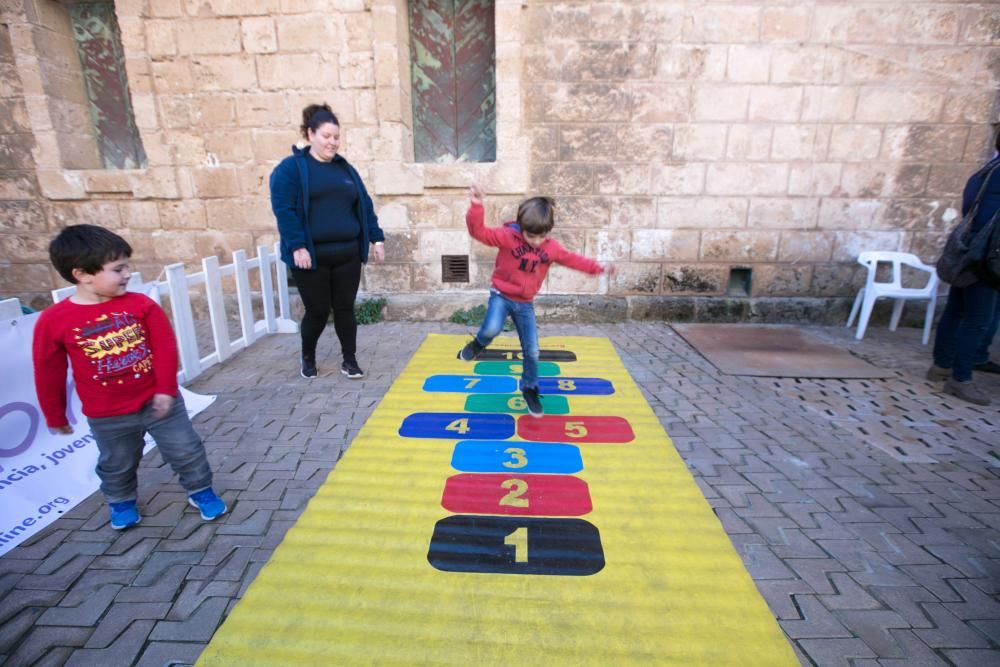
<point>537,457</point>
<point>579,386</point>
<point>457,425</point>
<point>471,384</point>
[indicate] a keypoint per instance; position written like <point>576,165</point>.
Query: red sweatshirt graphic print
<point>521,269</point>
<point>121,351</point>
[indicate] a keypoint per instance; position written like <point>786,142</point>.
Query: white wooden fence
<point>175,287</point>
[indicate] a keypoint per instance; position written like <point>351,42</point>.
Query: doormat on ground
<point>459,530</point>
<point>741,349</point>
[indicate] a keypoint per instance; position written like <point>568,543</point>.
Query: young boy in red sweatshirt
<point>124,359</point>
<point>523,260</point>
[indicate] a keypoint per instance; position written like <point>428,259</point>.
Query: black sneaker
<point>351,369</point>
<point>533,400</point>
<point>470,351</point>
<point>309,366</point>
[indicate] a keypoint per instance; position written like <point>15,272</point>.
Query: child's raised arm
<point>475,195</point>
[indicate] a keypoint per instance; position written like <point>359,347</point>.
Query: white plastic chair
<point>872,291</point>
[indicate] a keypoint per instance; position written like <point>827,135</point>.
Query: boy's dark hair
<point>86,247</point>
<point>536,215</point>
<point>315,115</point>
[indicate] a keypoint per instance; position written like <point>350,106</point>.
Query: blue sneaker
<point>210,505</point>
<point>124,515</point>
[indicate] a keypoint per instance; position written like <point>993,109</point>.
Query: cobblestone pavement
<point>867,511</point>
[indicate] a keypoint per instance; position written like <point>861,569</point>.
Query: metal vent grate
<point>455,268</point>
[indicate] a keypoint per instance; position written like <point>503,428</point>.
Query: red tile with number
<point>535,495</point>
<point>573,428</point>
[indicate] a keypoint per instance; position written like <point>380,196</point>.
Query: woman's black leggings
<point>333,285</point>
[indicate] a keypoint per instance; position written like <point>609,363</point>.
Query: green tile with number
<point>514,403</point>
<point>545,368</point>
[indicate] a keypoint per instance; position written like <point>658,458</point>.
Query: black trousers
<point>332,285</point>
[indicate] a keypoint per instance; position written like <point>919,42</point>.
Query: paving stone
<point>123,651</point>
<point>816,621</point>
<point>872,626</point>
<point>949,631</point>
<point>832,652</point>
<point>120,616</point>
<point>198,627</point>
<point>162,654</point>
<point>41,641</point>
<point>972,657</point>
<point>85,613</point>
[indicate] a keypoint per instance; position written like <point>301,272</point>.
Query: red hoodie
<point>520,269</point>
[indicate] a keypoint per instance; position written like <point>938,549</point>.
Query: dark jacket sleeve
<point>374,231</point>
<point>285,191</point>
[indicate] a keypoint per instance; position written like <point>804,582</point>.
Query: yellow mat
<point>371,574</point>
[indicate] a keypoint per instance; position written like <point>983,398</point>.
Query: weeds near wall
<point>369,311</point>
<point>474,317</point>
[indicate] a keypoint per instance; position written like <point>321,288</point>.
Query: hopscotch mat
<point>459,530</point>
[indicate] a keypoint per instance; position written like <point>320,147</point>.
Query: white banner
<point>43,474</point>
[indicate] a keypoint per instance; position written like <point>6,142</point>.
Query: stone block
<point>820,179</point>
<point>783,213</point>
<point>281,71</point>
<point>727,24</point>
<point>701,141</point>
<point>429,213</point>
<point>101,213</point>
<point>586,143</point>
<point>358,30</point>
<point>139,214</point>
<point>229,73</point>
<point>244,214</point>
<point>775,103</point>
<point>683,62</point>
<point>660,308</point>
<point>924,143</point>
<point>229,147</point>
<point>866,24</point>
<point>577,212</point>
<point>160,38</point>
<point>575,102</point>
<point>746,178</point>
<point>805,246</point>
<point>61,184</point>
<point>694,279</point>
<point>829,103</point>
<point>173,76</point>
<point>434,243</point>
<point>21,217</point>
<point>849,244</point>
<point>785,24</point>
<point>742,246</point>
<point>918,214</point>
<point>642,141</point>
<point>562,280</point>
<point>749,63</point>
<point>24,247</point>
<point>183,214</point>
<point>273,145</point>
<point>209,8</point>
<point>649,102</point>
<point>156,183</point>
<point>968,107</point>
<point>854,142</point>
<point>306,32</point>
<point>665,244</point>
<point>633,212</point>
<point>879,105</point>
<point>979,26</point>
<point>678,179</point>
<point>701,212</point>
<point>204,36</point>
<point>223,244</point>
<point>776,280</point>
<point>865,179</point>
<point>720,102</point>
<point>795,142</point>
<point>838,280</point>
<point>386,278</point>
<point>621,178</point>
<point>357,70</point>
<point>605,245</point>
<point>259,34</point>
<point>214,182</point>
<point>567,178</point>
<point>17,185</point>
<point>836,213</point>
<point>636,279</point>
<point>117,181</point>
<point>393,216</point>
<point>948,180</point>
<point>749,142</point>
<point>393,178</point>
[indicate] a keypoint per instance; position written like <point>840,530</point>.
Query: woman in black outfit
<point>327,223</point>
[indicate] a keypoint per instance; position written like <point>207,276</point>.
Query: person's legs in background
<point>981,361</point>
<point>345,279</point>
<point>315,290</point>
<point>967,317</point>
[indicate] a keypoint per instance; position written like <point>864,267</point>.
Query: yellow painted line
<point>351,582</point>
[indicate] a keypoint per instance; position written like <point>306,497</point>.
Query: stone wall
<point>681,140</point>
